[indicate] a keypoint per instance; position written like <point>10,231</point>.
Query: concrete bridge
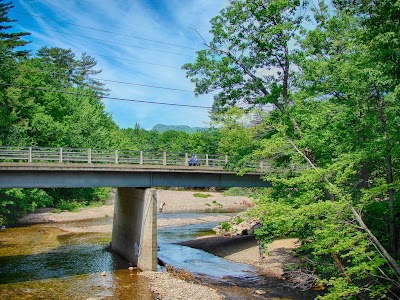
<point>135,174</point>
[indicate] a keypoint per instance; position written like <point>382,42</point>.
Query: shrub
<point>237,191</point>
<point>226,226</point>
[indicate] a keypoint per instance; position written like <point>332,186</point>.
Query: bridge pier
<point>134,234</point>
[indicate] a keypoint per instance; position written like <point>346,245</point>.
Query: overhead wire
<point>106,31</point>
<point>101,40</point>
<point>117,58</point>
<point>121,82</point>
<point>105,97</point>
<point>101,79</point>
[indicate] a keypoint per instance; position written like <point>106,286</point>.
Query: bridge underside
<point>53,177</point>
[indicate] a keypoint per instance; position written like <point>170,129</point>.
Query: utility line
<point>104,97</point>
<point>106,31</point>
<point>106,41</point>
<point>113,57</point>
<point>107,80</point>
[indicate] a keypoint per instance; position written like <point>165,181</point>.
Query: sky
<point>141,42</point>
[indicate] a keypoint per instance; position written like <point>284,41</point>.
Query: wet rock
<point>259,292</point>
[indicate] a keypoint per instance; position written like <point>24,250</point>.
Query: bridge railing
<point>101,156</point>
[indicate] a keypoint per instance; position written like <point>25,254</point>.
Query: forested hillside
<point>320,86</point>
<point>184,128</point>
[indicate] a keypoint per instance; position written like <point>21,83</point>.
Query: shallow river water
<point>44,262</point>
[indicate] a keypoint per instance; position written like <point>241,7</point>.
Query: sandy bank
<point>174,201</point>
<point>244,249</point>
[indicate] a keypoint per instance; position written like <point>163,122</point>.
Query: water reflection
<point>42,262</point>
<point>118,285</point>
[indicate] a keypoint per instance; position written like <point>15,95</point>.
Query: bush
<point>16,202</point>
<point>238,220</point>
<point>226,226</point>
<point>69,205</point>
<point>237,191</point>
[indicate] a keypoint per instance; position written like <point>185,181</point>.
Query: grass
<point>236,191</point>
<point>74,206</point>
<point>200,195</point>
<point>217,204</point>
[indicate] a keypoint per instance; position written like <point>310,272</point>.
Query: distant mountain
<point>185,128</point>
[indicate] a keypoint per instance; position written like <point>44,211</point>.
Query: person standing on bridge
<point>193,161</point>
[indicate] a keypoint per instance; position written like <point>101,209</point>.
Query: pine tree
<point>9,57</point>
<point>9,41</point>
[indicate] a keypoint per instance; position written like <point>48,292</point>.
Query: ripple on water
<point>115,285</point>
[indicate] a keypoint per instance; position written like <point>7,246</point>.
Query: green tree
<point>11,55</point>
<point>324,137</point>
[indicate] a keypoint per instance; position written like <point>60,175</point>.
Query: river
<point>44,262</point>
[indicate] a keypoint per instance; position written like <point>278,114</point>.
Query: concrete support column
<point>134,234</point>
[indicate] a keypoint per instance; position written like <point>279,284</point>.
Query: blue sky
<point>130,56</point>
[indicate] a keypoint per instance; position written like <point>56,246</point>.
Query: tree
<point>326,115</point>
<point>382,40</point>
<point>10,41</point>
<point>10,55</point>
<point>249,56</point>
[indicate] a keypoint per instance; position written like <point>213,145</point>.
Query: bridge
<point>134,173</point>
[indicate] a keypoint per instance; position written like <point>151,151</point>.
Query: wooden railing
<point>97,156</point>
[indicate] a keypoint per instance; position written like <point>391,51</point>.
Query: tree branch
<point>357,216</point>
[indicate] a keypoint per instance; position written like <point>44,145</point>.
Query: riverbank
<point>244,249</point>
<point>165,285</point>
<point>171,201</point>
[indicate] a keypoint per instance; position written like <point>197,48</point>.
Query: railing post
<point>116,157</point>
<point>89,156</point>
<point>30,154</point>
<point>226,159</point>
<point>186,159</point>
<point>164,158</point>
<point>60,156</point>
<point>141,158</point>
<point>206,160</point>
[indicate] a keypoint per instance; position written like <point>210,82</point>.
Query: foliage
<point>49,98</point>
<point>238,219</point>
<point>325,123</point>
<point>236,191</point>
<point>17,202</point>
<point>226,226</point>
<point>205,141</point>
